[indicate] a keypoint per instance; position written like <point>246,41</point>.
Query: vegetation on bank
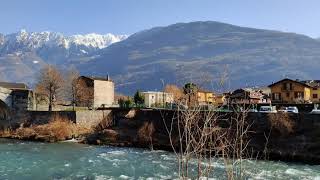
<point>58,129</point>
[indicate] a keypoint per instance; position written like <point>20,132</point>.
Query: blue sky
<point>130,16</point>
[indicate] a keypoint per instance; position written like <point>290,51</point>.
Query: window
<point>287,86</point>
<point>288,94</point>
<point>315,96</point>
<point>298,95</point>
<point>276,96</point>
<point>284,86</point>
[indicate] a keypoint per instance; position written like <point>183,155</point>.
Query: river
<point>31,160</point>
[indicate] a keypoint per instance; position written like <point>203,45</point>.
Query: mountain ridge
<point>178,53</point>
<point>185,51</point>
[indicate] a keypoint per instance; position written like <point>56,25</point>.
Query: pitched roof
<point>312,83</point>
<point>286,79</point>
<point>12,86</point>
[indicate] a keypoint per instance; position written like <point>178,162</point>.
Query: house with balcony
<point>249,96</point>
<point>291,91</point>
<point>205,97</point>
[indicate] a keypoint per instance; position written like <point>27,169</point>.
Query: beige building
<point>154,98</point>
<point>101,91</point>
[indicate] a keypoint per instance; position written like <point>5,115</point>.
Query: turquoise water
<point>30,160</point>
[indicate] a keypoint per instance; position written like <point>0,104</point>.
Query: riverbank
<point>286,137</point>
<point>57,129</point>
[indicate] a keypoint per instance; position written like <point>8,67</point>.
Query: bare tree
<point>176,91</point>
<point>49,83</point>
<point>206,136</point>
<point>72,86</point>
<point>84,93</point>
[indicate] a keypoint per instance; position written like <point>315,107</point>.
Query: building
<point>315,90</point>
<point>157,99</point>
<point>205,97</point>
<point>220,99</point>
<point>291,91</point>
<point>249,96</point>
<point>20,97</point>
<point>99,91</point>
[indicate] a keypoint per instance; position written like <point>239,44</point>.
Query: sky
<point>130,16</point>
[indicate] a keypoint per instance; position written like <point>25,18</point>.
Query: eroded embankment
<point>289,137</point>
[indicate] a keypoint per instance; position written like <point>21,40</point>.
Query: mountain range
<point>22,54</point>
<point>212,54</point>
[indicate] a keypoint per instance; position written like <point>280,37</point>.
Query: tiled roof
<point>312,83</point>
<point>295,81</point>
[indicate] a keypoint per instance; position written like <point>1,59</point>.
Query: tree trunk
<point>50,107</point>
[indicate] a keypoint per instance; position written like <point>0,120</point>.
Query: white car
<point>268,109</point>
<point>290,109</point>
<point>315,111</point>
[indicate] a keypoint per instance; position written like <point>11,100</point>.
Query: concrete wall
<point>103,93</point>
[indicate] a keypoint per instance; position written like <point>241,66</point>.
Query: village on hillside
<point>75,92</point>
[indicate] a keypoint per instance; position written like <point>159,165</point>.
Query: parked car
<point>315,111</point>
<point>290,109</point>
<point>252,110</point>
<point>268,109</point>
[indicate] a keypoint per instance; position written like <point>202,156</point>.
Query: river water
<point>30,160</point>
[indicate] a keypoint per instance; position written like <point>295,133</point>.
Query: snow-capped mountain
<point>23,40</point>
<point>22,54</point>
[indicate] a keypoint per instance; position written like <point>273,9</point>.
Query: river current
<point>31,160</point>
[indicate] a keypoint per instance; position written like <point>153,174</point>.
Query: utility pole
<point>162,92</point>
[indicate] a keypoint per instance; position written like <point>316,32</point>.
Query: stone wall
<point>87,118</point>
<point>92,118</point>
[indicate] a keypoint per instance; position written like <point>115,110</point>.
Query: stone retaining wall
<point>92,118</point>
<point>87,118</point>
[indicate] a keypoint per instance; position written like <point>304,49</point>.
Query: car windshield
<point>291,108</point>
<point>265,109</point>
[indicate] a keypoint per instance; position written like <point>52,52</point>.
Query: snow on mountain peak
<point>96,40</point>
<point>35,40</point>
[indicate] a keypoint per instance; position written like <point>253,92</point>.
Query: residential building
<point>291,91</point>
<point>205,97</point>
<point>21,98</point>
<point>315,90</point>
<point>249,96</point>
<point>156,98</point>
<point>220,99</point>
<point>100,91</point>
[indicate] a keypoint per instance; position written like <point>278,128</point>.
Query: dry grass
<point>282,123</point>
<point>146,131</point>
<point>58,129</point>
